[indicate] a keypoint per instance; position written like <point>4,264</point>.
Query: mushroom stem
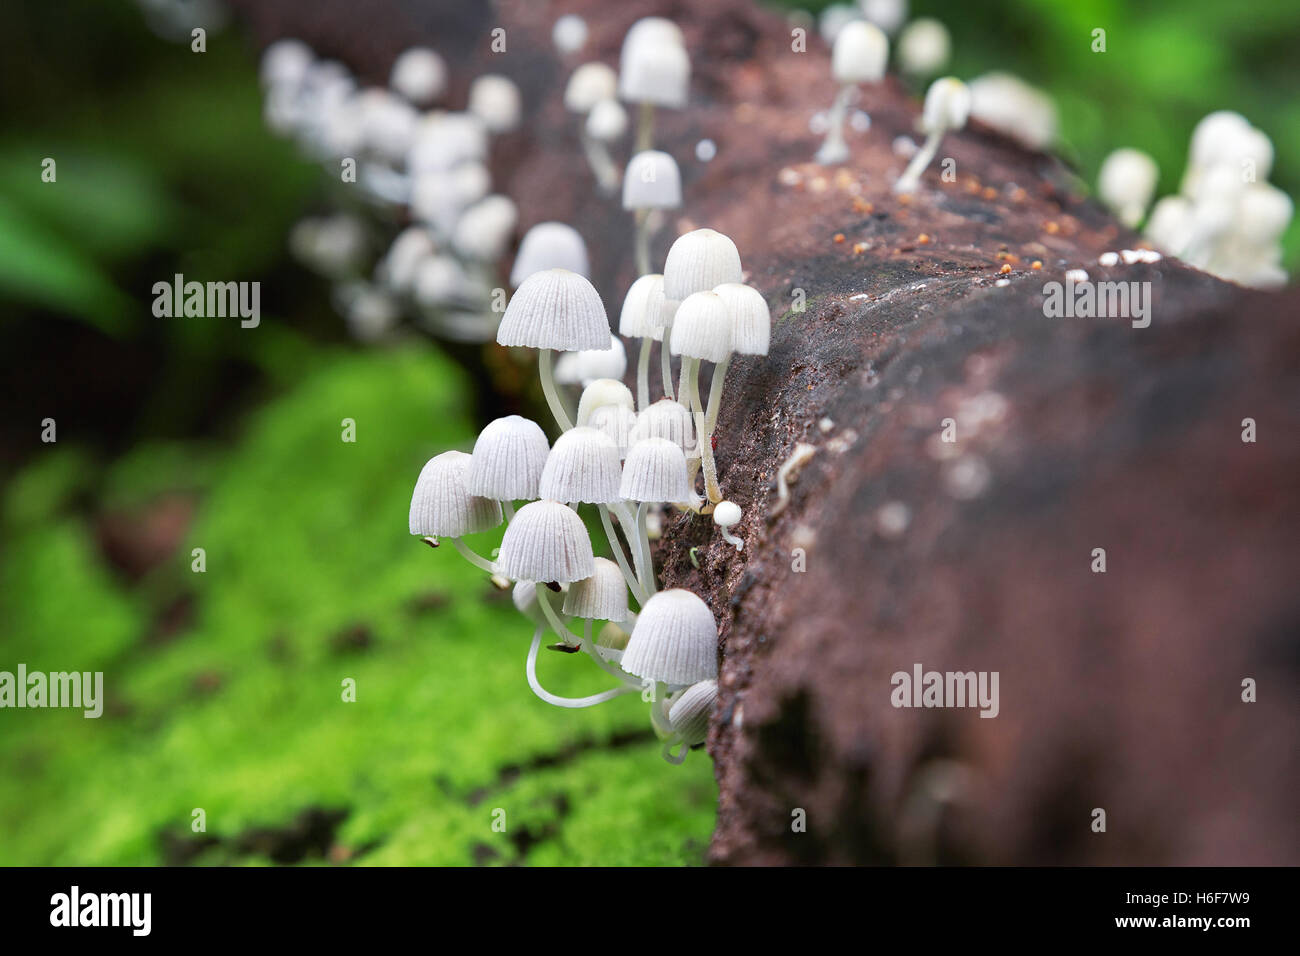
<point>613,670</point>
<point>473,557</point>
<point>616,546</point>
<point>645,127</point>
<point>667,751</point>
<point>667,356</point>
<point>835,149</point>
<point>715,393</point>
<point>598,158</point>
<point>530,669</point>
<point>643,374</point>
<point>642,245</point>
<point>509,508</point>
<point>702,436</point>
<point>731,539</point>
<point>911,177</point>
<point>547,374</point>
<point>643,542</point>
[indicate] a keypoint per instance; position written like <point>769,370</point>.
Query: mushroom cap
<point>588,85</point>
<point>413,244</point>
<point>617,422</point>
<point>550,245</point>
<point>726,514</point>
<point>924,47</point>
<point>603,391</point>
<point>860,53</point>
<point>388,123</point>
<point>583,466</point>
<point>655,470</point>
<point>1127,178</point>
<point>419,74</point>
<point>669,420</point>
<point>654,69</point>
<point>1263,213</point>
<point>509,456</point>
<point>583,368</point>
<point>675,640</point>
<point>1170,223</point>
<point>689,714</point>
<point>1011,106</point>
<point>607,121</point>
<point>751,322</point>
<point>445,139</point>
<point>495,100</point>
<point>698,261</point>
<point>702,327</point>
<point>483,230</point>
<point>601,597</point>
<point>546,541</point>
<point>285,63</point>
<point>569,34</point>
<point>947,105</point>
<point>555,309</point>
<point>440,280</point>
<point>442,504</point>
<point>652,181</point>
<point>646,311</point>
<point>653,30</point>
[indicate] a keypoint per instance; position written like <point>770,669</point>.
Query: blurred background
<point>223,686</point>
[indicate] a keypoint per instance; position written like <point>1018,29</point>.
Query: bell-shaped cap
<point>550,245</point>
<point>444,140</point>
<point>698,261</point>
<point>751,322</point>
<point>860,53</point>
<point>420,75</point>
<point>442,504</point>
<point>675,640</point>
<point>583,368</point>
<point>601,597</point>
<point>603,391</point>
<point>588,85</point>
<point>483,231</point>
<point>495,100</point>
<point>666,419</point>
<point>555,309</point>
<point>607,121</point>
<point>655,470</point>
<point>616,421</point>
<point>285,63</point>
<point>702,327</point>
<point>646,311</point>
<point>582,466</point>
<point>546,541</point>
<point>508,459</point>
<point>654,68</point>
<point>689,714</point>
<point>947,105</point>
<point>652,181</point>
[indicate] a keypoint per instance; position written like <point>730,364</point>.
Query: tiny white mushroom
<point>654,70</point>
<point>420,75</point>
<point>727,514</point>
<point>550,245</point>
<point>947,105</point>
<point>688,718</point>
<point>1126,183</point>
<point>652,181</point>
<point>583,466</point>
<point>495,100</point>
<point>859,55</point>
<point>508,459</point>
<point>675,640</point>
<point>569,34</point>
<point>924,47</point>
<point>443,506</point>
<point>546,541</point>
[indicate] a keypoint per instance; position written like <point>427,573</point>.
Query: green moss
<point>241,713</point>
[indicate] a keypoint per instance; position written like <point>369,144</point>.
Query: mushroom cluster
<point>619,457</point>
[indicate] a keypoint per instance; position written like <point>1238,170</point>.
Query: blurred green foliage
<point>311,579</point>
<point>1167,64</point>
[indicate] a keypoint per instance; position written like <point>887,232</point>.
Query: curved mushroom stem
<point>682,750</point>
<point>598,158</point>
<point>633,579</point>
<point>643,542</point>
<point>642,245</point>
<point>473,557</point>
<point>727,536</point>
<point>613,670</point>
<point>911,177</point>
<point>530,668</point>
<point>834,149</point>
<point>703,438</point>
<point>645,127</point>
<point>715,393</point>
<point>665,353</point>
<point>547,374</point>
<point>643,374</point>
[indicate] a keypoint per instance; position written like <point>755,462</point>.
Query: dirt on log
<point>1119,690</point>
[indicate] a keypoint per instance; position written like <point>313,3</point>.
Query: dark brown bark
<point>1120,690</point>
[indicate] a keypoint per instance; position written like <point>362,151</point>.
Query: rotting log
<point>1119,690</point>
